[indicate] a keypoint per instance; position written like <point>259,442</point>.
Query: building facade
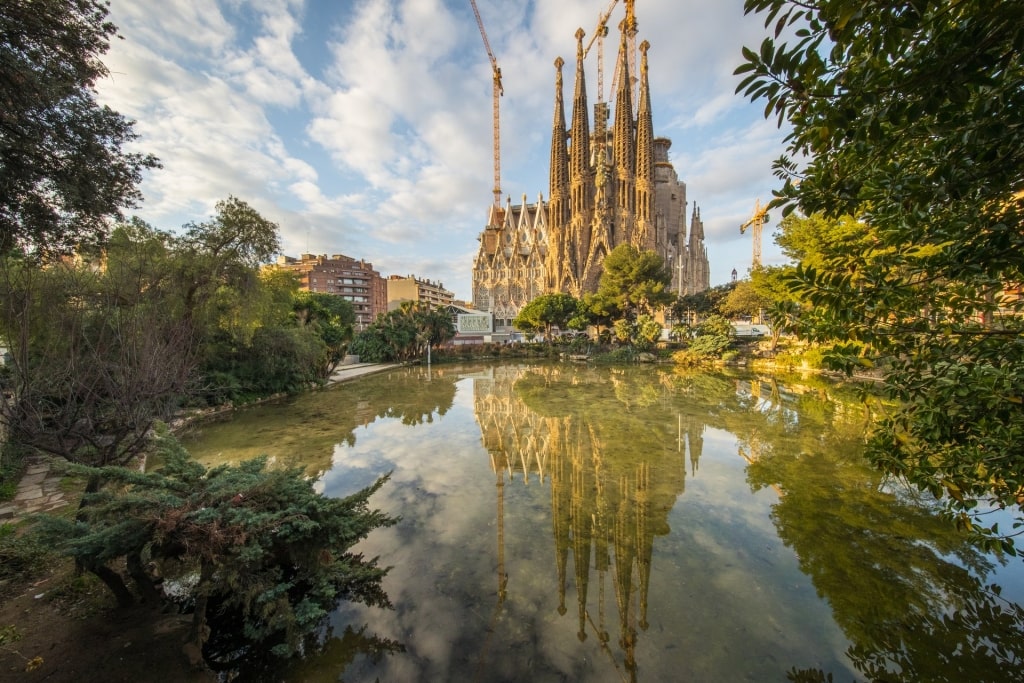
<point>607,186</point>
<point>412,288</point>
<point>353,280</point>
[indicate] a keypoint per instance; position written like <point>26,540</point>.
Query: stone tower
<point>610,186</point>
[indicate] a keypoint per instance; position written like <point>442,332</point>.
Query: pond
<point>566,522</point>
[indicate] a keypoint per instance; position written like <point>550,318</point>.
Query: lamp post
<point>679,284</point>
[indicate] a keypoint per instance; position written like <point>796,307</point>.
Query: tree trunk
<point>199,632</point>
<point>143,581</point>
<point>115,583</point>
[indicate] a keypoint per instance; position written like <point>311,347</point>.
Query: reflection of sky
<point>724,591</point>
<point>728,547</point>
<point>727,599</point>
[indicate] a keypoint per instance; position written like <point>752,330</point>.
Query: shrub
<point>267,557</point>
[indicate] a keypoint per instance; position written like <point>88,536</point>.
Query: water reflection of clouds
<point>701,479</point>
<point>435,553</point>
<point>728,547</point>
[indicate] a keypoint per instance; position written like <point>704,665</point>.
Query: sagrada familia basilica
<point>607,187</point>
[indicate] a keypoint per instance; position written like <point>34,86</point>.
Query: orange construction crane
<point>498,92</point>
<point>599,33</point>
<point>756,222</point>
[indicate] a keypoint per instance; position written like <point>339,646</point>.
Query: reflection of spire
<point>625,553</point>
<point>644,539</point>
<point>561,500</point>
<point>502,574</point>
<point>606,504</point>
<point>581,531</point>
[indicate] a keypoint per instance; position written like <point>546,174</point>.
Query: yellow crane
<point>756,222</point>
<point>599,33</point>
<point>498,92</point>
<point>628,25</point>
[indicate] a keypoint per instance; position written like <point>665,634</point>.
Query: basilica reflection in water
<point>613,481</point>
<point>788,554</point>
<point>615,474</point>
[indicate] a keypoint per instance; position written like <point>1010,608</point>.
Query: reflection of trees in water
<point>325,657</point>
<point>614,446</point>
<point>304,430</point>
<point>902,585</point>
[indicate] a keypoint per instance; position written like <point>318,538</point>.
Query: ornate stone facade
<point>606,188</point>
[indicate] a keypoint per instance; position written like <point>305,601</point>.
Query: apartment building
<point>411,288</point>
<point>352,279</point>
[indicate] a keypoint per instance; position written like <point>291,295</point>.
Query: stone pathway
<point>38,491</point>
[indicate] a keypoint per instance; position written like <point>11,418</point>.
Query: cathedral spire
<point>624,145</point>
<point>579,161</point>
<point>559,178</point>
<point>580,178</point>
<point>644,234</point>
<point>559,213</point>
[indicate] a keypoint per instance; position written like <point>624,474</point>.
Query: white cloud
<point>365,128</point>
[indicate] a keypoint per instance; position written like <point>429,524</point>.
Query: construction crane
<point>756,222</point>
<point>599,33</point>
<point>629,26</point>
<point>498,92</point>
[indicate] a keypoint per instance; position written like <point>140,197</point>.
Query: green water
<point>573,523</point>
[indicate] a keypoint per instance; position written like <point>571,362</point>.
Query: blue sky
<point>363,127</point>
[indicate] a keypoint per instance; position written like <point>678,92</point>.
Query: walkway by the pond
<point>352,370</point>
<point>38,491</point>
<point>40,488</point>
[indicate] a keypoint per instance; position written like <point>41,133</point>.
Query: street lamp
<point>680,267</point>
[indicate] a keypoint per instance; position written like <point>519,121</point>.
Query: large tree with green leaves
<point>746,301</point>
<point>906,115</point>
<point>332,318</point>
<point>637,282</point>
<point>555,309</point>
<point>404,334</point>
<point>103,347</point>
<point>694,306</point>
<point>96,353</point>
<point>64,169</point>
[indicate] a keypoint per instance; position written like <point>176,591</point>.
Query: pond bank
<point>40,487</point>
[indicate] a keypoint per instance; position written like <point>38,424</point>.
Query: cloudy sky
<point>363,127</point>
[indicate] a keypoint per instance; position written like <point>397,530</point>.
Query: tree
<point>555,309</point>
<point>701,303</point>
<point>63,168</point>
<point>597,309</point>
<point>635,281</point>
<point>103,347</point>
<point>744,300</point>
<point>906,116</point>
<point>226,250</point>
<point>815,240</point>
<point>96,354</point>
<point>783,308</point>
<point>266,557</point>
<point>404,333</point>
<point>331,317</point>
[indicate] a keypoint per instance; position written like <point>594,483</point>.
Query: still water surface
<point>573,523</point>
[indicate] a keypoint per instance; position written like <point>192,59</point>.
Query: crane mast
<point>629,26</point>
<point>498,92</point>
<point>756,222</point>
<point>599,33</point>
